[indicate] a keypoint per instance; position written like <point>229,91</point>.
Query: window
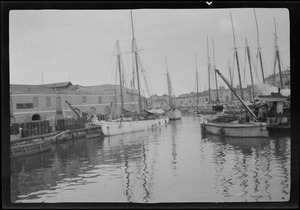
<point>83,99</point>
<point>48,101</point>
<point>24,106</point>
<point>99,100</point>
<point>35,101</point>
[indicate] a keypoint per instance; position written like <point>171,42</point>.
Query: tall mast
<point>249,60</point>
<point>120,75</point>
<point>197,81</point>
<point>231,82</point>
<point>133,49</point>
<point>136,64</point>
<point>214,64</point>
<point>237,59</point>
<point>208,70</point>
<point>277,58</point>
<point>169,85</point>
<point>259,50</point>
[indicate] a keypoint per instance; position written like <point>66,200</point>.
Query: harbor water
<point>173,163</point>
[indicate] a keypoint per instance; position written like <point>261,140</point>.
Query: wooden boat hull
<point>236,130</point>
<point>208,112</point>
<point>280,129</point>
<point>30,147</point>
<point>235,112</point>
<point>93,132</point>
<point>174,114</point>
<point>116,128</point>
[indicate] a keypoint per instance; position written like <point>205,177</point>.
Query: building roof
<point>72,88</point>
<point>106,87</point>
<point>103,87</point>
<point>79,90</point>
<point>92,90</point>
<point>31,89</point>
<point>58,84</point>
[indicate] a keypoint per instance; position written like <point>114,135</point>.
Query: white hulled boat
<point>212,107</point>
<point>234,128</point>
<point>145,119</point>
<point>173,113</point>
<point>251,129</point>
<point>126,126</point>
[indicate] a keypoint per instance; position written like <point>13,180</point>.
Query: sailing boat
<point>197,82</point>
<point>278,119</point>
<point>217,106</point>
<point>235,110</point>
<point>208,110</point>
<point>145,119</point>
<point>259,53</point>
<point>230,126</point>
<point>173,113</point>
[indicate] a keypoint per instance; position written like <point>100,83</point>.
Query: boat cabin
<point>275,100</point>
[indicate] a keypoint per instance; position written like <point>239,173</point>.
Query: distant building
<point>274,79</point>
<point>224,96</point>
<point>159,102</point>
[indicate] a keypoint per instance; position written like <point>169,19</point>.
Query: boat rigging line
<point>240,99</point>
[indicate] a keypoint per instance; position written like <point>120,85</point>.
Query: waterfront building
<point>224,95</point>
<point>48,102</point>
<point>102,99</point>
<point>159,102</point>
<point>33,102</point>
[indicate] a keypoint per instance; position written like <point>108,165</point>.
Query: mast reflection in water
<point>174,163</point>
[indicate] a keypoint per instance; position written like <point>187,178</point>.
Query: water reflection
<point>127,177</point>
<point>174,128</point>
<point>144,177</point>
<point>133,150</point>
<point>251,172</point>
<point>30,174</point>
<point>168,164</point>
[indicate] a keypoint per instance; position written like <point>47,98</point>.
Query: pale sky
<point>49,46</point>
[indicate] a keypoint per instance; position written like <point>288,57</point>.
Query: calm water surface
<point>167,164</point>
